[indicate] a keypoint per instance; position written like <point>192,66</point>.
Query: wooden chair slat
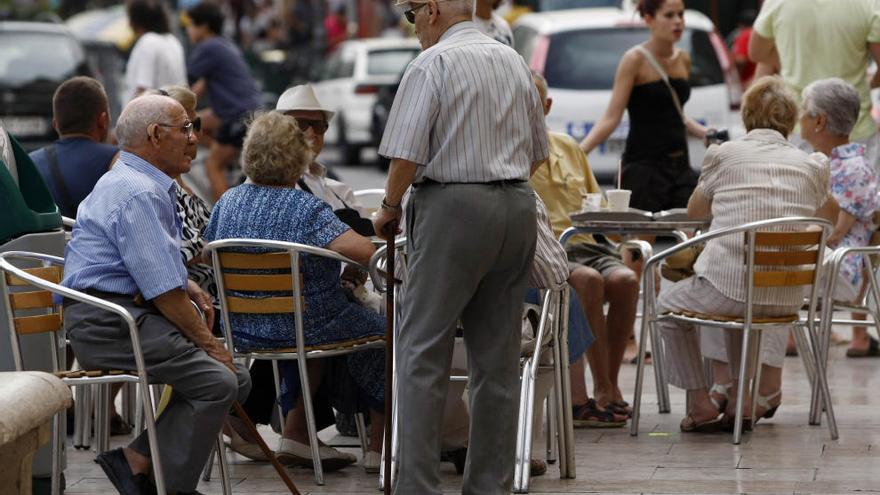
<point>250,282</point>
<point>787,238</point>
<point>48,273</point>
<point>31,300</point>
<point>783,279</point>
<point>261,305</point>
<point>25,325</point>
<point>345,344</point>
<point>254,260</point>
<point>786,258</point>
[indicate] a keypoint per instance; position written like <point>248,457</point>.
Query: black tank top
<point>655,126</point>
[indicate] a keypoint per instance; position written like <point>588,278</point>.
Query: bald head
<point>136,117</point>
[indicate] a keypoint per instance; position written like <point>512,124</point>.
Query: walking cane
<point>390,248</point>
<point>239,411</point>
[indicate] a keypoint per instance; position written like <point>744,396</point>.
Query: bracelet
<point>386,206</point>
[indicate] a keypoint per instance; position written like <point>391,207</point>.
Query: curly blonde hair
<point>275,151</point>
<point>769,104</point>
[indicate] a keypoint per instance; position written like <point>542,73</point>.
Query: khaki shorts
<point>599,257</point>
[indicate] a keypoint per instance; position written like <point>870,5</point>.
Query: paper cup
<point>618,199</point>
<point>591,202</point>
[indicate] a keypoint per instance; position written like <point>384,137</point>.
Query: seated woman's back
<point>255,211</point>
<point>759,177</point>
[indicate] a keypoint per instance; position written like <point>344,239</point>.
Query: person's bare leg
<point>590,288</point>
<point>622,294</point>
<point>218,160</point>
<point>578,381</point>
<point>138,463</point>
<point>700,408</point>
<point>295,426</point>
<point>860,338</point>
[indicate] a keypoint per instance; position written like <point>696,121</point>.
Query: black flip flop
<point>873,350</point>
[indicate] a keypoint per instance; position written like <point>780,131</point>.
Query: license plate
<point>26,126</point>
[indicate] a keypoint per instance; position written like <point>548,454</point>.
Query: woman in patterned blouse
<point>830,110</point>
<point>268,206</point>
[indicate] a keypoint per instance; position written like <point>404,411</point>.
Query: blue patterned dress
<point>255,211</point>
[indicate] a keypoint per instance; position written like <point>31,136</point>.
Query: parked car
<point>35,58</point>
<point>578,52</point>
<point>349,82</point>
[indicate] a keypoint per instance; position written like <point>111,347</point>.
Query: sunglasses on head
<point>318,125</point>
<point>411,13</point>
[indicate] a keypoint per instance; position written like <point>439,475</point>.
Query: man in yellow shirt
<point>598,274</point>
<point>809,40</point>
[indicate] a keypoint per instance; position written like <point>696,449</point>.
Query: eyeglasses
<point>187,128</point>
<point>411,13</point>
<point>319,126</point>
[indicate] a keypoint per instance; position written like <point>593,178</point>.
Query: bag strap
<point>55,171</point>
<point>657,67</point>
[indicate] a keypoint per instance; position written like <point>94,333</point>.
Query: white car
<point>349,82</point>
<point>578,52</point>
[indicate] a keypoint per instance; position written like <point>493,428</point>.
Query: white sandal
<point>764,403</point>
<point>723,390</point>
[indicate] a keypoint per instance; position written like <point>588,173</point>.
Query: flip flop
<point>873,350</point>
<point>621,408</point>
<point>590,416</point>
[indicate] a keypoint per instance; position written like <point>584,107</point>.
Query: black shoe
<point>119,473</point>
<point>456,457</point>
<point>118,426</point>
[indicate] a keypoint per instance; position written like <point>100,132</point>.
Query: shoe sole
<point>580,423</point>
<point>293,460</point>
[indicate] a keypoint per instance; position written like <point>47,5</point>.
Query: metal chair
<point>46,278</point>
<point>784,250</point>
<point>241,265</point>
<point>370,198</point>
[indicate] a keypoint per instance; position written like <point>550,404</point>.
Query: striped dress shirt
<point>127,234</point>
<point>467,111</point>
<point>758,177</point>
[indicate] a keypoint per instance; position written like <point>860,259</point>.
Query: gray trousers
<point>204,389</point>
<point>470,251</point>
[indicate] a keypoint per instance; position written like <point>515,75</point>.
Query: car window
<point>588,58</point>
<point>524,39</point>
<point>389,62</point>
<point>337,66</point>
<point>31,56</point>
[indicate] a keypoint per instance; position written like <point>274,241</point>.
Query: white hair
<point>837,100</point>
<point>131,128</point>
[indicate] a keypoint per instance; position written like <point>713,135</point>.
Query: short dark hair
<point>649,7</point>
<point>207,14</point>
<point>149,15</point>
<point>77,103</point>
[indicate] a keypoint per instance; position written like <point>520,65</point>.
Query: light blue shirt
<point>127,234</point>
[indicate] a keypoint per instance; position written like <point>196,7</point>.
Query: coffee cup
<point>591,202</point>
<point>618,199</point>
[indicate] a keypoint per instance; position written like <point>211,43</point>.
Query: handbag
<point>680,265</point>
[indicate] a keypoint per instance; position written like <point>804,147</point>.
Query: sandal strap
<point>720,389</point>
<point>764,401</point>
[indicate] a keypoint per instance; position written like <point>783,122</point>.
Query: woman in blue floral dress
<point>830,110</point>
<point>268,206</point>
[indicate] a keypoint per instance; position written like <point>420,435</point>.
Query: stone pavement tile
<point>734,474</point>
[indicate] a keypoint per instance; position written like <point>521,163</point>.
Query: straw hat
<point>302,98</point>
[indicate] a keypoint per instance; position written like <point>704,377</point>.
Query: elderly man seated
<point>126,249</point>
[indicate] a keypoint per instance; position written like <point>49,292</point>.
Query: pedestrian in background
<point>465,130</point>
<point>652,85</point>
<point>157,57</point>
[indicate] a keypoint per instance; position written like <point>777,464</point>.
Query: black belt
<point>504,182</point>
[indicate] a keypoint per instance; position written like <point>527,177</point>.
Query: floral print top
<point>854,186</point>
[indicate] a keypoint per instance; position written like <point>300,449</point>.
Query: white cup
<point>591,202</point>
<point>618,199</point>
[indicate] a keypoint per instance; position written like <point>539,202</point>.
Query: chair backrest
<point>17,301</point>
<point>370,199</point>
<point>255,276</point>
<point>773,250</point>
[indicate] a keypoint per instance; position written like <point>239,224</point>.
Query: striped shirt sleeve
<point>540,146</point>
<point>408,132</point>
<point>148,245</point>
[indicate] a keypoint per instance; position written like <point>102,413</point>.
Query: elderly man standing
<point>126,249</point>
<point>464,130</point>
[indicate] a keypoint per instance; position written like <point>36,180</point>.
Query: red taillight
<point>366,89</point>
<point>539,54</point>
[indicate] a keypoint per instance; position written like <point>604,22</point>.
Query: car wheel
<point>351,153</point>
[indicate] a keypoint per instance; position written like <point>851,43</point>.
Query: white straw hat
<point>302,98</point>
